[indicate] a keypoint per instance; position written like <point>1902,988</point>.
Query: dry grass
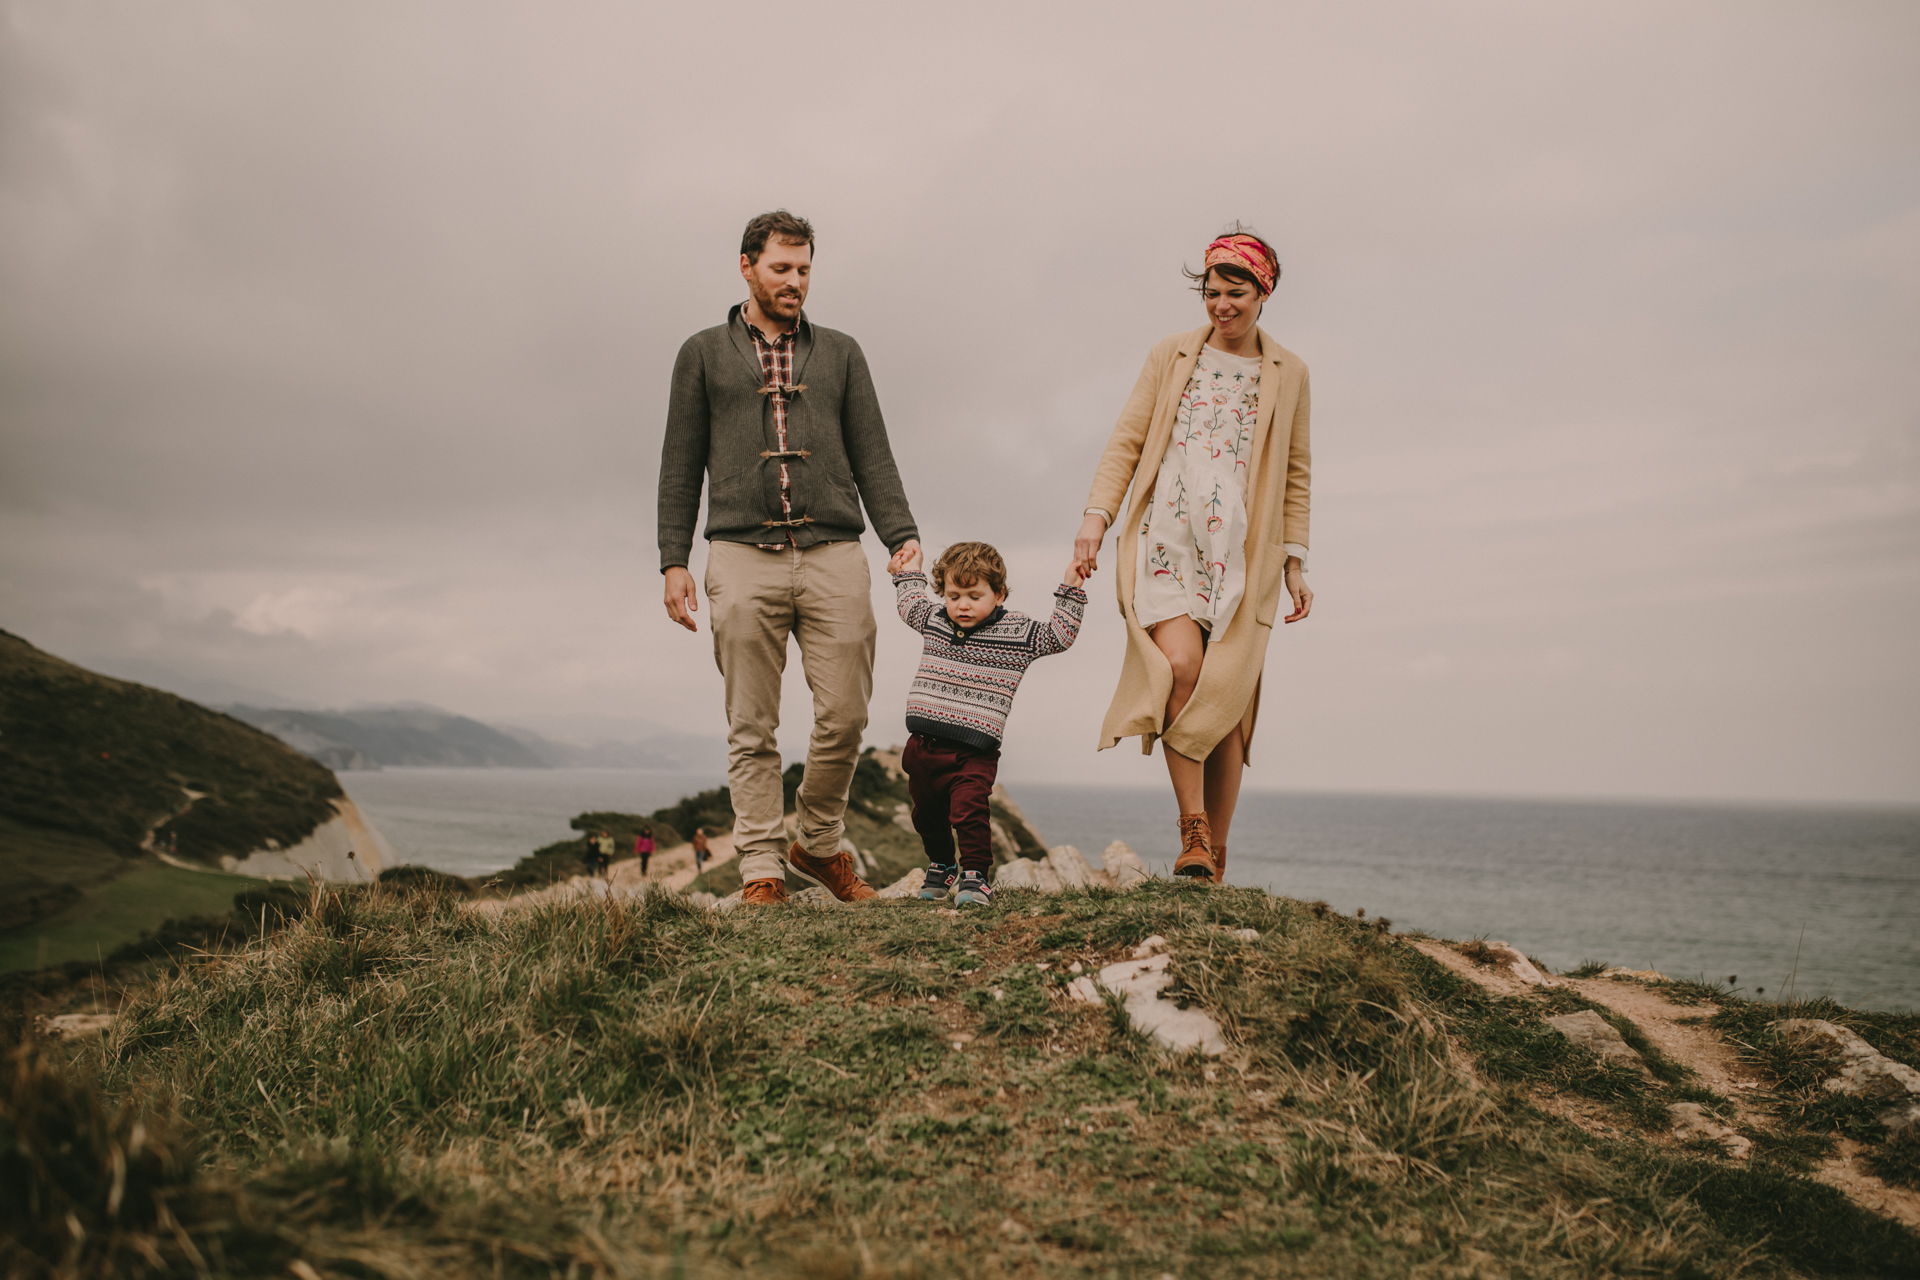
<point>401,1088</point>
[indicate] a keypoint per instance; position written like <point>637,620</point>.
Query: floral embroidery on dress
<point>1193,549</point>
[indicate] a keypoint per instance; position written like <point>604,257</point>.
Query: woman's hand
<point>906,559</point>
<point>1297,588</point>
<point>1086,544</point>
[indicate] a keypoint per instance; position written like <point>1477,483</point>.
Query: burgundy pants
<point>950,784</point>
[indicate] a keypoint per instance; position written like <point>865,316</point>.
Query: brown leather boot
<point>836,874</point>
<point>763,893</point>
<point>1196,848</point>
<point>1219,864</point>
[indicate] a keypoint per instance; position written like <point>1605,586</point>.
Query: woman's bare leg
<point>1223,770</point>
<point>1179,639</point>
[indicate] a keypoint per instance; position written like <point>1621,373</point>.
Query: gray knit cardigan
<point>720,425</point>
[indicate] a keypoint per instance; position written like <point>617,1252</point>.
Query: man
<point>782,414</point>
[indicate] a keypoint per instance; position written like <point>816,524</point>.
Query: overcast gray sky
<point>334,344</point>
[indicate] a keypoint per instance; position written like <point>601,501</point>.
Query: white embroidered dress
<point>1192,556</point>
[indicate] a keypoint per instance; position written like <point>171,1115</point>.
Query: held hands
<point>906,559</point>
<point>1297,588</point>
<point>1086,545</point>
<point>1073,577</point>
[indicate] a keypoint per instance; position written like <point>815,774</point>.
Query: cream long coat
<point>1277,501</point>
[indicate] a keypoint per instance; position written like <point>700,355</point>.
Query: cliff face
<point>96,772</point>
<point>345,848</point>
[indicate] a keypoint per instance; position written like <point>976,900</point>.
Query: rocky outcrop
<point>1691,1123</point>
<point>1863,1071</point>
<point>73,1026</point>
<point>1504,955</point>
<point>348,848</point>
<point>1123,866</point>
<point>1141,984</point>
<point>1594,1033</point>
<point>1065,867</point>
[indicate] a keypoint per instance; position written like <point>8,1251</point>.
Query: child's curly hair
<point>965,563</point>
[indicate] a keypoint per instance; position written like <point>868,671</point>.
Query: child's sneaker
<point>939,881</point>
<point>974,891</point>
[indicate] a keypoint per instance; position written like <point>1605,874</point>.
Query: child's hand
<point>1073,576</point>
<point>906,559</point>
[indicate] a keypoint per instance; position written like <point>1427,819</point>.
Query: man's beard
<point>769,302</point>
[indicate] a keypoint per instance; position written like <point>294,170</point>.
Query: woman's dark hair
<point>1229,270</point>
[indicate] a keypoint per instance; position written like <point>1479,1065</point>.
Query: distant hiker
<point>973,653</point>
<point>643,848</point>
<point>606,851</point>
<point>699,849</point>
<point>782,415</point>
<point>1213,444</point>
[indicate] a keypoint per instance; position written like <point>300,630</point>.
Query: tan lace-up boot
<point>763,893</point>
<point>836,874</point>
<point>1196,848</point>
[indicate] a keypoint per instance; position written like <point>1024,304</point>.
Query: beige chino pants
<point>819,596</point>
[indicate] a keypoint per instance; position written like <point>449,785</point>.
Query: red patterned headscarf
<point>1246,252</point>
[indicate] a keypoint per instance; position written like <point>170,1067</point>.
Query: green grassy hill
<point>398,1086</point>
<point>90,765</point>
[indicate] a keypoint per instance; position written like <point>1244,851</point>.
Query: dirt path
<point>1679,1031</point>
<point>668,869</point>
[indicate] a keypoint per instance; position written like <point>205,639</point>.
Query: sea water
<point>473,822</point>
<point>1822,901</point>
<point>1819,901</point>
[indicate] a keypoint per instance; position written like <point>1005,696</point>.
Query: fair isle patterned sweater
<point>966,682</point>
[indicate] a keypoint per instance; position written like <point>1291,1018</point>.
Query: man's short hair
<point>965,563</point>
<point>787,228</point>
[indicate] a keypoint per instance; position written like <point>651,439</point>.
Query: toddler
<point>975,650</point>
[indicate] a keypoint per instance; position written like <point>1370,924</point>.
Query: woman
<point>643,848</point>
<point>1213,445</point>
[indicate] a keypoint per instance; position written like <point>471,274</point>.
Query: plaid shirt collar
<point>760,337</point>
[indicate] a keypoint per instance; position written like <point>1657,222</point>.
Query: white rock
<point>1123,865</point>
<point>1045,878</point>
<point>1901,1118</point>
<point>1690,1121</point>
<point>1017,874</point>
<point>1071,866</point>
<point>701,898</point>
<point>1004,845</point>
<point>1864,1072</point>
<point>1140,983</point>
<point>814,896</point>
<point>1150,947</point>
<point>729,903</point>
<point>1507,955</point>
<point>903,817</point>
<point>906,886</point>
<point>1591,1031</point>
<point>71,1026</point>
<point>1083,990</point>
<point>1247,935</point>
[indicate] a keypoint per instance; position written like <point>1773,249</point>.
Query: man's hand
<point>907,558</point>
<point>1086,544</point>
<point>1297,588</point>
<point>682,600</point>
